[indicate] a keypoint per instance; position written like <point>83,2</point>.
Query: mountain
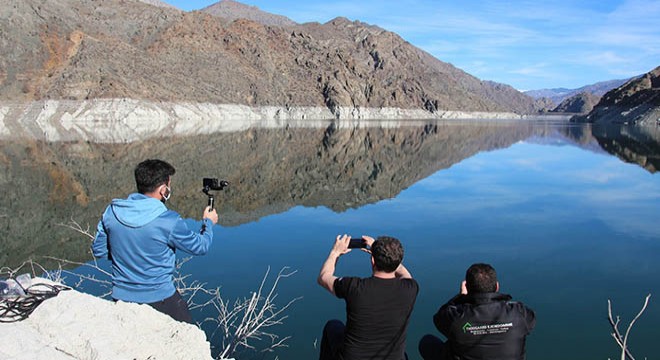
<point>558,95</point>
<point>234,10</point>
<point>76,50</point>
<point>581,103</point>
<point>158,3</point>
<point>635,102</point>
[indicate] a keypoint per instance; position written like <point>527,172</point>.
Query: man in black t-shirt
<point>479,322</point>
<point>377,308</point>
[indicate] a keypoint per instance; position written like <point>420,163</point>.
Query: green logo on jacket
<point>467,325</point>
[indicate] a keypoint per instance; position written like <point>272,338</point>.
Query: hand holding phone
<point>357,243</point>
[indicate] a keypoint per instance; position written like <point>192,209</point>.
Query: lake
<point>566,213</point>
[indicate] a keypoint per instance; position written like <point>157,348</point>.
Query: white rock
<point>128,120</point>
<point>74,325</point>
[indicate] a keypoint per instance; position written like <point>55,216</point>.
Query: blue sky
<point>526,44</point>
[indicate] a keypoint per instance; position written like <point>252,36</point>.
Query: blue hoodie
<point>140,235</point>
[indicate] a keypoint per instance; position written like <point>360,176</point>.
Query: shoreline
<point>77,325</point>
<point>128,120</point>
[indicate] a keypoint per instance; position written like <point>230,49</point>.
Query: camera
<point>214,184</point>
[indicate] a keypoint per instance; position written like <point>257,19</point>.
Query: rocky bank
<point>127,120</point>
<point>75,325</point>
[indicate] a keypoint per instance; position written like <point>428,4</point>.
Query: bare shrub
<point>246,323</point>
<point>238,326</point>
<point>622,340</point>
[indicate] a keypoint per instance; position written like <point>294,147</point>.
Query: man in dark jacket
<point>479,322</point>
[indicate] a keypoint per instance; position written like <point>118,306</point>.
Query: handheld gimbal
<point>213,184</point>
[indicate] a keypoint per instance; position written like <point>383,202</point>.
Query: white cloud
<point>606,58</point>
<point>539,69</point>
<point>598,176</point>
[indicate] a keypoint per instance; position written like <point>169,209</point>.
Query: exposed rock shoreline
<point>127,120</point>
<point>74,325</point>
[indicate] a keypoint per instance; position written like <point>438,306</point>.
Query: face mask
<point>167,194</point>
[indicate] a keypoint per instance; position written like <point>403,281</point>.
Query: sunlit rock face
<point>84,50</point>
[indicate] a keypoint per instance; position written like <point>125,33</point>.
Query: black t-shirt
<point>377,313</point>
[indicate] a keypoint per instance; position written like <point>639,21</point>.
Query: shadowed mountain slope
<point>635,102</point>
<point>581,103</point>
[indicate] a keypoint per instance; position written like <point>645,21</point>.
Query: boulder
<point>74,325</point>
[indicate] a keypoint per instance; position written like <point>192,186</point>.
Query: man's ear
<point>497,286</point>
<point>162,190</point>
<point>373,263</point>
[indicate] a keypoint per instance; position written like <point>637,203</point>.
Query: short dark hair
<point>152,173</point>
<point>481,278</point>
<point>387,253</point>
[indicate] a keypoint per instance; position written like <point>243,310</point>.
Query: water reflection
<point>636,144</point>
<point>338,165</point>
<point>566,224</point>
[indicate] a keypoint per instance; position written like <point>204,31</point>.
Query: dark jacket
<point>484,326</point>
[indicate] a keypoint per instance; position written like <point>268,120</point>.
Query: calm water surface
<point>567,225</point>
<point>566,229</point>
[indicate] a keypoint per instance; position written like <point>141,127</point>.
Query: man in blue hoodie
<point>140,236</point>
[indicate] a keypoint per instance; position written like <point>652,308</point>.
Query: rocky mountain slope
<point>75,50</point>
<point>233,10</point>
<point>158,3</point>
<point>581,103</point>
<point>635,102</point>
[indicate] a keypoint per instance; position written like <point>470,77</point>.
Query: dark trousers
<point>175,307</point>
<point>432,348</point>
<point>332,340</point>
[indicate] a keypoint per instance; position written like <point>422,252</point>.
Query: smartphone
<point>358,243</point>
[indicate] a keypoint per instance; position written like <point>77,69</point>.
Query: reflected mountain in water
<point>638,144</point>
<point>633,144</point>
<point>337,165</point>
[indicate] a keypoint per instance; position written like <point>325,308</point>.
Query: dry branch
<point>244,324</point>
<point>622,341</point>
<point>249,320</point>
